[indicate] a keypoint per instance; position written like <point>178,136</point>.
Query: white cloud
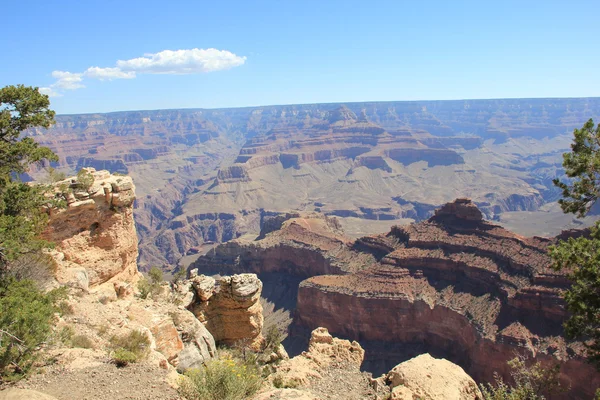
<point>177,62</point>
<point>49,91</point>
<point>109,74</point>
<point>67,80</point>
<point>191,61</point>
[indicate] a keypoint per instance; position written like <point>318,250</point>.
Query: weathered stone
<point>90,234</point>
<point>204,286</point>
<point>167,339</point>
<point>428,378</point>
<point>234,314</point>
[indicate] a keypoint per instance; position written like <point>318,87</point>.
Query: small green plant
<point>85,180</point>
<point>82,341</point>
<point>224,379</point>
<point>150,286</point>
<point>65,308</point>
<point>26,319</point>
<point>129,348</point>
<point>280,382</point>
<point>179,275</point>
<point>533,382</point>
<point>102,329</point>
<point>123,358</point>
<point>273,338</point>
<point>55,176</point>
<point>65,334</point>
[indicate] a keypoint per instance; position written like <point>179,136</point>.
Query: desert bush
<point>85,180</point>
<point>280,382</point>
<point>82,341</point>
<point>26,320</point>
<point>65,308</point>
<point>273,338</point>
<point>533,382</point>
<point>224,379</point>
<point>123,358</point>
<point>150,286</point>
<point>129,348</point>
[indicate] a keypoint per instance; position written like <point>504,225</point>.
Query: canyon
<point>208,176</point>
<point>455,286</point>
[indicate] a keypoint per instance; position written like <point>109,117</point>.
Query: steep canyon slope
<point>212,175</point>
<point>455,286</point>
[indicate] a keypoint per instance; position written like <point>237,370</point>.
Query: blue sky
<point>287,51</point>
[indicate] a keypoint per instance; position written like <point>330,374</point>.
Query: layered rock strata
<point>95,234</point>
<point>230,308</point>
<point>456,286</point>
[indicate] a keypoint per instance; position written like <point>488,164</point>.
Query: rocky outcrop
<point>95,235</point>
<point>456,286</point>
<point>323,352</point>
<point>230,308</point>
<point>427,378</point>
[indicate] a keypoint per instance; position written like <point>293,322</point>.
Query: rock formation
<point>427,378</point>
<point>95,235</point>
<point>230,308</point>
<point>456,286</point>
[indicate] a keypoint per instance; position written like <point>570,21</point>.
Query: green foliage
<point>25,324</point>
<point>129,348</point>
<point>532,382</point>
<point>150,286</point>
<point>22,108</point>
<point>156,276</point>
<point>581,256</point>
<point>123,358</point>
<point>85,180</point>
<point>21,218</point>
<point>179,275</point>
<point>582,165</point>
<point>55,176</point>
<point>273,338</point>
<point>280,382</point>
<point>224,379</point>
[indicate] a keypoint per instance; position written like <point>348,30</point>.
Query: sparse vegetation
<point>150,286</point>
<point>82,341</point>
<point>25,324</point>
<point>223,379</point>
<point>85,180</point>
<point>581,256</point>
<point>129,348</point>
<point>280,382</point>
<point>273,338</point>
<point>533,382</point>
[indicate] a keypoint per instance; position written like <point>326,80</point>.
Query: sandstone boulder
<point>198,343</point>
<point>428,378</point>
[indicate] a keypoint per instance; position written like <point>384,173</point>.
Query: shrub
<point>129,348</point>
<point>150,286</point>
<point>280,382</point>
<point>225,379</point>
<point>85,180</point>
<point>532,382</point>
<point>122,357</point>
<point>26,319</point>
<point>82,341</point>
<point>273,338</point>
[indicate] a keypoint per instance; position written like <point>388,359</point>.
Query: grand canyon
<point>404,227</point>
